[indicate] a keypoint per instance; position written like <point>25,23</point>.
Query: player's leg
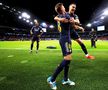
<point>37,44</point>
<point>63,65</point>
<point>66,61</point>
<point>32,43</point>
<point>83,47</point>
<point>91,42</point>
<point>68,58</point>
<point>76,37</point>
<point>95,44</point>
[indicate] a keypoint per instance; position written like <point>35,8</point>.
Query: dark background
<point>44,10</point>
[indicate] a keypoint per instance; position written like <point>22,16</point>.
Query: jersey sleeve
<point>40,29</point>
<point>32,29</point>
<point>76,16</point>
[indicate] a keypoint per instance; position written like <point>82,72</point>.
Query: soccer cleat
<point>69,82</point>
<point>90,57</point>
<point>52,84</point>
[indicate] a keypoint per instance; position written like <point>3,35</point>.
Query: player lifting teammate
<point>65,43</point>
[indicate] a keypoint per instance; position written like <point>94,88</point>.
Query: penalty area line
<point>2,78</point>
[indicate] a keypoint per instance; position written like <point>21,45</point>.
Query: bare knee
<point>68,57</point>
<point>79,41</point>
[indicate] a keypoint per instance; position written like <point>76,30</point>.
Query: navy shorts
<point>74,35</point>
<point>34,38</point>
<point>65,44</point>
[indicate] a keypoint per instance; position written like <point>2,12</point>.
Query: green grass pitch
<point>20,70</point>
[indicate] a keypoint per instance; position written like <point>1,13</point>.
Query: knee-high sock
<point>37,45</point>
<point>66,70</point>
<point>84,48</point>
<point>59,69</point>
<point>31,46</point>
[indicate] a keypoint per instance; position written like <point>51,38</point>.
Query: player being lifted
<point>36,32</point>
<point>76,26</point>
<point>65,43</point>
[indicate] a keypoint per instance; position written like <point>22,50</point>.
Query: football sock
<point>37,45</point>
<point>66,70</point>
<point>84,48</point>
<point>59,69</point>
<point>31,46</point>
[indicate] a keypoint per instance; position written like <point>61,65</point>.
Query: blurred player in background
<point>36,32</point>
<point>93,37</point>
<point>77,26</point>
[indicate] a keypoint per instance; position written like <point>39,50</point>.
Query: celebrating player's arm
<point>76,24</point>
<point>31,31</point>
<point>41,31</point>
<point>63,20</point>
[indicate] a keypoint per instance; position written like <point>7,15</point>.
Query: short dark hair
<point>72,3</point>
<point>58,7</point>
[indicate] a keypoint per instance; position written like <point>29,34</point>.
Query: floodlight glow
<point>44,24</point>
<point>19,17</point>
<point>31,23</point>
<point>1,4</point>
<point>44,29</point>
<point>35,20</point>
<point>95,22</point>
<point>7,6</point>
<point>27,21</point>
<point>102,17</point>
<point>89,25</point>
<point>51,26</point>
<point>25,15</point>
<point>19,12</point>
<point>24,19</point>
<point>105,12</point>
<point>14,9</point>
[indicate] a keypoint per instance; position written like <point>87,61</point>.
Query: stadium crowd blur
<point>13,34</point>
<point>12,28</point>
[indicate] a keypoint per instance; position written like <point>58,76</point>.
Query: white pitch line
<point>10,56</point>
<point>25,61</point>
<point>2,78</point>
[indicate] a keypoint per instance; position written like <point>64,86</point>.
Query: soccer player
<point>75,26</point>
<point>36,32</point>
<point>93,37</point>
<point>65,43</point>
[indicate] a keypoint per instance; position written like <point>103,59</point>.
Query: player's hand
<point>64,20</point>
<point>72,20</point>
<point>39,35</point>
<point>82,29</point>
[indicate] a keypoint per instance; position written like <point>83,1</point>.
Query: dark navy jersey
<point>64,27</point>
<point>74,16</point>
<point>71,27</point>
<point>36,30</point>
<point>93,35</point>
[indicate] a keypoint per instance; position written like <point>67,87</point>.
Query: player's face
<point>72,8</point>
<point>62,9</point>
<point>36,23</point>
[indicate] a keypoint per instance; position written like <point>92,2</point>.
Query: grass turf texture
<point>20,70</point>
